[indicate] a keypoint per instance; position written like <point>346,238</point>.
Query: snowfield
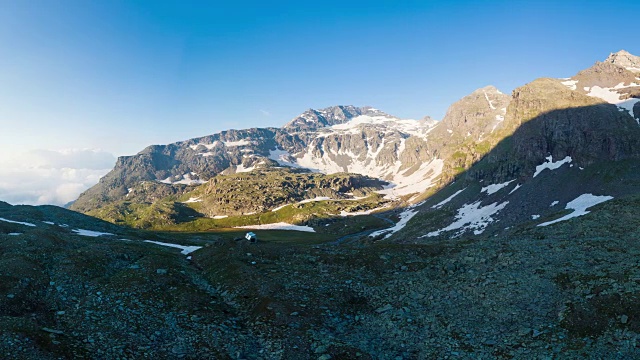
<point>331,160</point>
<point>365,212</point>
<point>185,249</point>
<point>579,206</point>
<point>186,180</point>
<point>208,146</point>
<point>278,226</point>
<point>236,143</point>
<point>90,233</point>
<point>17,222</point>
<point>491,189</point>
<point>445,201</point>
<point>283,158</point>
<point>613,97</point>
<point>551,165</point>
<point>317,198</point>
<point>571,84</point>
<point>471,217</point>
<point>405,216</point>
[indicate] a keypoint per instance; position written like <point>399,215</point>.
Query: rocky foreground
<point>570,290</point>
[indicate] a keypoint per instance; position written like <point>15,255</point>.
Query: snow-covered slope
<point>377,146</point>
<point>364,141</point>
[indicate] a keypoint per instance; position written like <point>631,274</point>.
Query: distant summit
<point>625,59</point>
<point>314,119</point>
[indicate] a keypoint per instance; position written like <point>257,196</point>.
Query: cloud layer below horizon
<point>40,177</point>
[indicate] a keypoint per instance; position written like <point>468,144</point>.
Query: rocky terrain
<point>563,291</point>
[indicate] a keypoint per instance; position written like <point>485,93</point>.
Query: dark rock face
<point>471,127</point>
<point>567,123</point>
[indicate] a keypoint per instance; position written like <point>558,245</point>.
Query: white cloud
<point>265,112</point>
<point>51,177</point>
<point>69,158</point>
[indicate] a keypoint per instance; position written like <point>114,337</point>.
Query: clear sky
<point>121,75</point>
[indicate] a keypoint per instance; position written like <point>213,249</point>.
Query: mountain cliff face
<point>337,139</point>
<point>485,139</point>
<point>566,144</point>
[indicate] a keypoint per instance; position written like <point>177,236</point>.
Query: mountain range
<point>492,145</point>
<point>506,230</point>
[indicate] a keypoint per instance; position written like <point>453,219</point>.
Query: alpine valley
<point>508,229</point>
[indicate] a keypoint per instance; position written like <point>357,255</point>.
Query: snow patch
<point>515,188</point>
<point>471,217</point>
<point>17,222</point>
<point>184,179</point>
<point>613,97</point>
<point>579,206</point>
<point>571,84</point>
<point>418,182</point>
<point>409,126</point>
<point>535,217</point>
<point>489,101</point>
<point>185,249</point>
<point>278,226</point>
<point>554,203</point>
<point>443,202</point>
<point>240,168</point>
<point>90,233</point>
<point>208,153</point>
<point>623,86</point>
<point>491,189</point>
<point>236,143</point>
<point>14,234</point>
<point>549,164</point>
<point>208,146</point>
<point>283,158</point>
<point>365,212</point>
<point>318,198</point>
<point>405,216</point>
<point>193,200</point>
<point>280,207</point>
<point>49,222</point>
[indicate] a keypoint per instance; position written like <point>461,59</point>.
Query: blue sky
<point>120,75</point>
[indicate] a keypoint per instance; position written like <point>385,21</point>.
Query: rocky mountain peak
<point>488,89</point>
<point>477,112</point>
<point>605,74</point>
<point>428,121</point>
<point>625,59</point>
<point>314,119</point>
